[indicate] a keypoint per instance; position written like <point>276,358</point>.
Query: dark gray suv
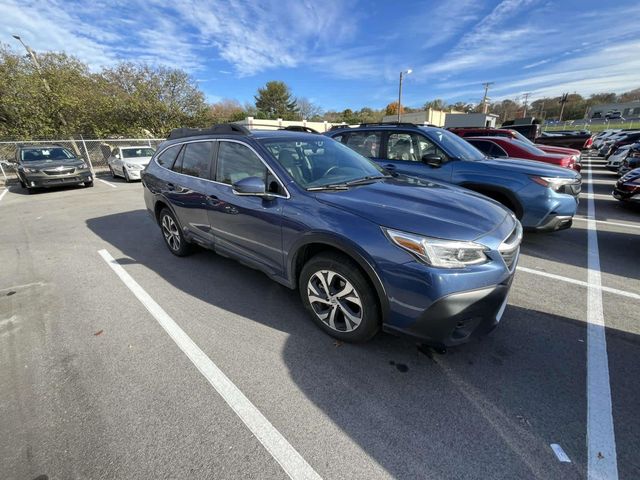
<point>41,166</point>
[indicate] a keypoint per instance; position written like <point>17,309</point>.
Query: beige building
<point>434,117</point>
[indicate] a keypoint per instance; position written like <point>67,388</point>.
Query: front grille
<point>572,189</point>
<point>510,247</point>
<point>510,257</point>
<point>60,171</point>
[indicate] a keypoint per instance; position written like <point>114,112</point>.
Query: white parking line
<point>108,183</point>
<point>601,441</point>
<point>4,192</point>
<point>560,454</point>
<point>597,196</point>
<point>606,222</point>
<point>281,450</point>
<point>615,291</point>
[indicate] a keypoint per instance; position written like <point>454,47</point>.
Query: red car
<point>506,132</point>
<point>503,147</point>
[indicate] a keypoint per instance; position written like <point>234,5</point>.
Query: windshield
<point>320,162</point>
<point>44,154</point>
<point>454,145</point>
<point>137,152</point>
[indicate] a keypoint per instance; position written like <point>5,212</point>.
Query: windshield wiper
<point>351,183</point>
<point>334,186</point>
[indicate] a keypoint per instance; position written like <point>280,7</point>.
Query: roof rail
<point>226,128</point>
<point>299,128</point>
<point>385,124</point>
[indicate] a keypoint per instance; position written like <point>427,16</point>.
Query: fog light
<point>33,184</point>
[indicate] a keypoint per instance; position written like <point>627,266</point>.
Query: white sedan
<point>128,162</point>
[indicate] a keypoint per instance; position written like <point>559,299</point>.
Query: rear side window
<point>166,158</point>
<point>237,161</point>
<point>484,147</point>
<point>366,144</point>
<point>196,159</point>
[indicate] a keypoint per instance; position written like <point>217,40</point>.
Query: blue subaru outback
<point>366,249</point>
<point>543,197</point>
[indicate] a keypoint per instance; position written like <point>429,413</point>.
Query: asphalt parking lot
<point>93,386</point>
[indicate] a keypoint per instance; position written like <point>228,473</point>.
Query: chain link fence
<point>93,151</point>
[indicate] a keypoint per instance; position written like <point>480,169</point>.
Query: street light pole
<point>400,93</point>
<point>34,59</point>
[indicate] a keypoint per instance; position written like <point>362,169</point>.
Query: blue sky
<point>348,54</point>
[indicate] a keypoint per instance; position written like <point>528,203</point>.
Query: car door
<point>403,151</point>
<point>247,227</point>
<point>188,189</point>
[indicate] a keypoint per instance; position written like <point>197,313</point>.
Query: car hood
<point>425,208</point>
<point>137,160</point>
<point>559,150</point>
<point>529,167</point>
<point>46,164</point>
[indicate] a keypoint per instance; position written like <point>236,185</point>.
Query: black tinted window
<point>196,159</point>
<point>237,161</point>
<point>167,157</point>
<point>484,147</point>
<point>365,143</point>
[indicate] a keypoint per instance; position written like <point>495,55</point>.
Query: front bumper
<point>134,174</point>
<point>631,196</point>
<point>46,181</point>
<point>555,222</point>
<point>456,318</point>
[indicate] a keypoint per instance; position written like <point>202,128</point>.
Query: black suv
<point>42,166</point>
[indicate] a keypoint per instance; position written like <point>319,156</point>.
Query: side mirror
<point>251,186</point>
<point>432,159</point>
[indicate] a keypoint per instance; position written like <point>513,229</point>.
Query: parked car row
<point>609,142</point>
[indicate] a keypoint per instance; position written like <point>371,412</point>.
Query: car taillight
<point>588,143</point>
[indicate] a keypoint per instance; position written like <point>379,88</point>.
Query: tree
<point>226,110</point>
<point>437,104</point>
<point>275,101</point>
<point>392,109</point>
<point>307,110</point>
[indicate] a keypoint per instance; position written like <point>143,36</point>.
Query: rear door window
<point>196,159</point>
<point>167,158</point>
<point>366,144</point>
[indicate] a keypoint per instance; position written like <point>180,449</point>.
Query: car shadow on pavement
<point>488,409</point>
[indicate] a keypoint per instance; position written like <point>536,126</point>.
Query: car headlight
<point>553,183</point>
<point>437,252</point>
<point>133,166</point>
<point>82,165</point>
<point>30,170</point>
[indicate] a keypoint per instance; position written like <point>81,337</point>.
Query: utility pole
<point>485,99</point>
<point>564,99</point>
<point>400,93</point>
<point>526,104</point>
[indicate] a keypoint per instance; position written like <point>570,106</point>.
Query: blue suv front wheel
<point>339,297</point>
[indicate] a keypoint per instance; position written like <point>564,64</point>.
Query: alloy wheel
<point>335,300</point>
<point>171,233</point>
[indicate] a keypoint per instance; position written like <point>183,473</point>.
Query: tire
<point>22,184</point>
<point>126,175</point>
<point>172,234</point>
<point>88,184</point>
<point>349,311</point>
